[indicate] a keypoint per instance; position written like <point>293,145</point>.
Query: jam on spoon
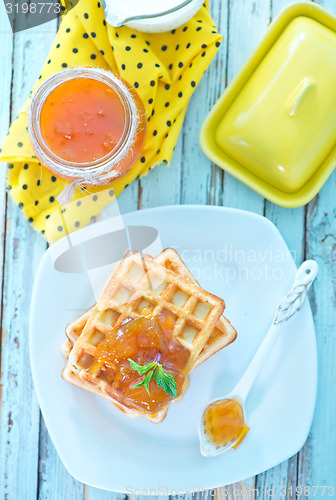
<point>224,423</point>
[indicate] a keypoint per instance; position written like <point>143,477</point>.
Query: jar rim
<point>102,165</point>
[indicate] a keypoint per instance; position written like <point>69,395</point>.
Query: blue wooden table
<point>29,465</point>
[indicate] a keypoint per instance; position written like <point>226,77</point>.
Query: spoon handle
<point>294,299</point>
<point>288,306</point>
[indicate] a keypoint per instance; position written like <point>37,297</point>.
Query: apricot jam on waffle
<point>144,340</point>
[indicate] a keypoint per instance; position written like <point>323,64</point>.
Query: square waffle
<point>136,284</point>
<point>222,335</point>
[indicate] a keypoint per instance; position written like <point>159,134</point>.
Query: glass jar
<point>97,170</point>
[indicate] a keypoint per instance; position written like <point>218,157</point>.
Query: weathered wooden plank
<point>283,479</point>
<point>162,185</point>
<point>53,479</point>
<point>201,180</point>
<point>217,79</point>
<point>243,490</point>
<point>148,497</point>
<point>290,223</point>
<point>198,495</point>
<point>196,168</point>
<point>20,413</point>
<point>276,482</point>
<point>303,463</point>
<point>96,494</point>
<point>321,246</point>
<point>247,23</point>
<point>318,466</point>
<point>150,191</point>
<point>128,200</point>
<point>327,4</point>
<point>287,220</point>
<point>6,53</point>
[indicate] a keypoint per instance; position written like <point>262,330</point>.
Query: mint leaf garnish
<point>145,381</point>
<point>155,370</point>
<point>165,380</point>
<point>140,369</point>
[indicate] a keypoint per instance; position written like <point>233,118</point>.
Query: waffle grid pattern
<point>222,335</point>
<point>130,290</point>
<point>161,285</point>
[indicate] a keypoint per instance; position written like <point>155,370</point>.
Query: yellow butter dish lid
<point>274,128</point>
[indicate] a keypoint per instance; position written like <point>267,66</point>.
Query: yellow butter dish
<point>274,128</point>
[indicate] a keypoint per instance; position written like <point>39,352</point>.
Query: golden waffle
<point>71,377</point>
<point>137,284</point>
<point>222,335</point>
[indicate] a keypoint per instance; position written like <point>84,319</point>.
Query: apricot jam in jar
<point>85,124</point>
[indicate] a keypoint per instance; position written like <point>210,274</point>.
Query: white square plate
<point>238,256</point>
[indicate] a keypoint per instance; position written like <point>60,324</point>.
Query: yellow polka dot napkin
<point>164,68</point>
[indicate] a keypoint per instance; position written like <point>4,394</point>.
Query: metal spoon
<point>288,306</point>
<point>117,20</point>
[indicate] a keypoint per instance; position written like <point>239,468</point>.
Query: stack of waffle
<point>142,283</point>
